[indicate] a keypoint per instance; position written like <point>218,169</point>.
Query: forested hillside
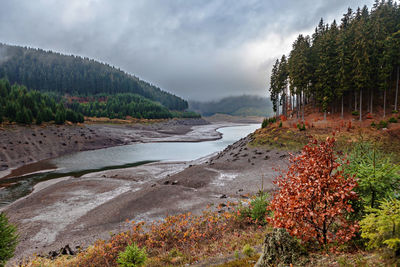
<point>53,72</point>
<point>349,66</point>
<point>23,106</point>
<point>245,105</point>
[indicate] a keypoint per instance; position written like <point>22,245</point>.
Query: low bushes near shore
<point>176,240</point>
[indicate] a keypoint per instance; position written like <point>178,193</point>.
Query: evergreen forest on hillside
<point>47,71</point>
<point>25,107</point>
<point>352,66</point>
<point>18,104</point>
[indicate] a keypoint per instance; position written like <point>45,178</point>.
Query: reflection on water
<point>80,163</point>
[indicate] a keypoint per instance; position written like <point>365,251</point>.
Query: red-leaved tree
<point>314,196</point>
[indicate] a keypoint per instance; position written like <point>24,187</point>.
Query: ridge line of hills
<point>48,71</point>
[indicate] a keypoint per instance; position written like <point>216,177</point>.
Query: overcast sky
<point>197,49</point>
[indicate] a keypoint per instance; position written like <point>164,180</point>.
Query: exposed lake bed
<point>77,211</point>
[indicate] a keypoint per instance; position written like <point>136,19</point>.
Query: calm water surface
<point>80,163</point>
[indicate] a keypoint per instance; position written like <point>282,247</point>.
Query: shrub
<point>256,211</point>
<point>380,226</point>
<point>8,239</point>
<point>373,124</point>
<point>133,256</point>
<point>258,208</point>
<point>301,127</point>
<point>378,178</point>
<point>392,120</point>
<point>268,121</point>
<point>39,118</point>
<point>314,196</point>
<point>60,117</point>
<point>382,124</point>
<point>280,125</point>
<point>395,111</point>
<point>264,124</point>
<point>47,114</point>
<point>248,250</point>
<point>355,113</point>
<point>24,116</point>
<point>71,116</point>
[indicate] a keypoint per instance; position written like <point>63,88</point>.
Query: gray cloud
<point>197,49</point>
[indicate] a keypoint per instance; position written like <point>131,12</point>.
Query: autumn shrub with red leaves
<point>313,197</point>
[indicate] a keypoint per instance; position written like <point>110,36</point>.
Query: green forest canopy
<point>354,64</point>
<point>47,71</point>
<point>18,104</point>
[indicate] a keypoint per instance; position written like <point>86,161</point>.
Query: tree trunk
<point>277,107</point>
<point>342,108</point>
<point>302,106</point>
<point>293,103</point>
<point>372,101</point>
<point>384,103</point>
<point>368,102</point>
<point>350,102</point>
<point>355,100</point>
<point>397,89</point>
<point>361,105</point>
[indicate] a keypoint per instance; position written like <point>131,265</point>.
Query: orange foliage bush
<point>314,195</point>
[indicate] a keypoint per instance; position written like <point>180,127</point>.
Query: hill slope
<point>53,72</point>
<point>245,105</point>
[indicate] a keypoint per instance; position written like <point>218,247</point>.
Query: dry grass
<point>176,240</point>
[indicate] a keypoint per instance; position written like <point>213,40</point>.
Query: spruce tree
<point>8,239</point>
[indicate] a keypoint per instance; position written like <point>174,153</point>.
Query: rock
<point>223,196</point>
<point>166,182</point>
<point>174,182</point>
<point>280,249</point>
<point>63,251</point>
<point>67,251</point>
<point>153,185</point>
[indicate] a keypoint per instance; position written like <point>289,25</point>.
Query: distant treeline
<point>126,104</point>
<point>27,107</point>
<point>354,64</point>
<point>53,72</point>
<point>18,104</point>
<point>245,105</point>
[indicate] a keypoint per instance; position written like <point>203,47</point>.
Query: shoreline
<point>125,135</point>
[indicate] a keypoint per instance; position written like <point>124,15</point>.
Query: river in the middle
<point>79,163</point>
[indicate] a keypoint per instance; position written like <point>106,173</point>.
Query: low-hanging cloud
<point>197,49</point>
